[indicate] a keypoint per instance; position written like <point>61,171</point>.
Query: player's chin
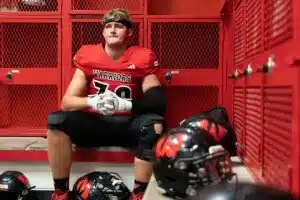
<point>114,42</point>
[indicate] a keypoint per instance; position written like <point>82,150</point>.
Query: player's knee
<point>151,127</point>
<point>159,127</point>
<point>55,121</point>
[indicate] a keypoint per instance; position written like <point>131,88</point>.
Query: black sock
<point>139,187</point>
<point>62,184</point>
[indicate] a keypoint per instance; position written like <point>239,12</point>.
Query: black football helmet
<point>216,122</point>
<point>100,186</point>
<point>242,191</point>
<point>14,185</point>
<point>185,160</point>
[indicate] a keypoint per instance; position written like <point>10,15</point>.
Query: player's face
<point>116,34</point>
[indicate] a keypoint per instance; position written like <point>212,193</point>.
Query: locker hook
<point>267,66</point>
<point>248,71</point>
<point>168,75</point>
<point>9,75</point>
<point>235,74</point>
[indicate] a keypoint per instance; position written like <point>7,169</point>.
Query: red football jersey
<point>123,76</point>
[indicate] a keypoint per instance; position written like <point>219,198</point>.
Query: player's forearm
<point>74,103</point>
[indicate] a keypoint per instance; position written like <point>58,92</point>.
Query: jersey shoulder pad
<point>87,54</point>
<point>146,59</point>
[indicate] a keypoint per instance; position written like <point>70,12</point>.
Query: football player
<point>114,99</point>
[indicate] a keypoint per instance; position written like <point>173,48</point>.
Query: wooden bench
<point>35,149</point>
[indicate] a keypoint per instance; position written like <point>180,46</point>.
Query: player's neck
<point>115,53</point>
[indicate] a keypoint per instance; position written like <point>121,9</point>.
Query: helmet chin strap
<point>180,123</point>
<point>25,192</point>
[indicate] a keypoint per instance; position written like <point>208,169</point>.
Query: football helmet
<point>186,160</point>
<point>14,185</point>
<point>242,191</point>
<point>37,5</point>
<point>100,186</point>
<point>216,122</point>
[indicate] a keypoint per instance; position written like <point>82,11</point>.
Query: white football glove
<point>215,149</point>
<point>98,103</point>
<point>224,165</point>
<point>119,104</point>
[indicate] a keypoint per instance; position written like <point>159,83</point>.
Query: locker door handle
<point>9,75</point>
<point>168,75</point>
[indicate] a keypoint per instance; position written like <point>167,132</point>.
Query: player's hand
<point>98,103</point>
<point>119,104</point>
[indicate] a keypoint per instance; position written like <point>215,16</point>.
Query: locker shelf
<point>29,7</point>
<point>101,6</point>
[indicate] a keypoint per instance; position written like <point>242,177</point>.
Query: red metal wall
<point>266,105</point>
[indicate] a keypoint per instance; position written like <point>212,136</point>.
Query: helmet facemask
<point>195,172</point>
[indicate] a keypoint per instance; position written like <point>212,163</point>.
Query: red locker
<point>266,119</point>
<point>265,101</point>
<point>30,70</point>
<point>187,67</point>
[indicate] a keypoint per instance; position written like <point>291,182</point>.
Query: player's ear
<point>130,32</point>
